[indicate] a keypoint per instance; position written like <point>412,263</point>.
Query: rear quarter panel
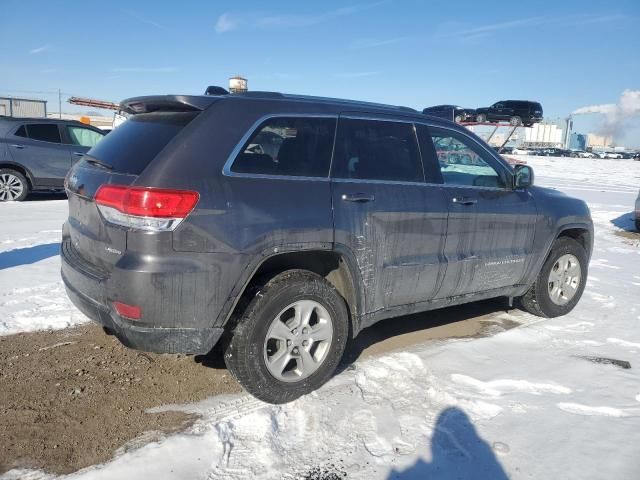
<point>238,221</point>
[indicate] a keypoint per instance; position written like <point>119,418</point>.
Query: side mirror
<point>522,176</point>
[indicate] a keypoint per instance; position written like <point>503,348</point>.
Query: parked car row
<point>563,152</point>
<point>515,112</point>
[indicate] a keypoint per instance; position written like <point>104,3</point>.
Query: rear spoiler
<point>168,103</point>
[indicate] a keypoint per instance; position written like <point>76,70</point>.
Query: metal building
<point>22,107</point>
<point>549,133</point>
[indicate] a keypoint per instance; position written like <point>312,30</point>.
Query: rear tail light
<point>132,312</point>
<point>144,208</point>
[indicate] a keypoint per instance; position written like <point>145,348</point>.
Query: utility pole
<point>59,104</point>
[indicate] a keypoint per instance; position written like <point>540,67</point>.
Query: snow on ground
<point>32,295</point>
<point>526,403</point>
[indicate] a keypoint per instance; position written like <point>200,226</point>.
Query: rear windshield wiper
<point>98,162</point>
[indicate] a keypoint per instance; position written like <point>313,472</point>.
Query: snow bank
<point>32,295</point>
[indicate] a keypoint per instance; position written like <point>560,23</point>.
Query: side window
<point>377,150</point>
<point>295,146</point>
<point>84,137</point>
<point>462,162</point>
<point>21,132</point>
<point>45,132</point>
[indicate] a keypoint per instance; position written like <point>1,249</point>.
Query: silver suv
<point>37,153</point>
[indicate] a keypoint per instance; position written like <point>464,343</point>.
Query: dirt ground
<point>71,398</point>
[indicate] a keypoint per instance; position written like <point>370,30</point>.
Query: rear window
<point>131,147</point>
<point>44,132</point>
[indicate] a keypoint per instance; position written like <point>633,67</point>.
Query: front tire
<point>290,339</point>
<point>515,121</point>
<point>14,187</point>
<point>560,282</point>
<point>481,118</point>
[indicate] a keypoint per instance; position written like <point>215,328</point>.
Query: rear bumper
<point>87,292</point>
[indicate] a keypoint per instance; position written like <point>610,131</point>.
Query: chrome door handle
<point>357,197</point>
<point>19,147</point>
<point>464,201</point>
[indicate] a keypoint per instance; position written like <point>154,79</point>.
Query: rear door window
<point>134,144</point>
<point>290,146</point>
<point>44,132</point>
<point>84,137</point>
<point>377,150</point>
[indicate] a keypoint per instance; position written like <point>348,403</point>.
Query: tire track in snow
<point>586,410</point>
<point>497,388</point>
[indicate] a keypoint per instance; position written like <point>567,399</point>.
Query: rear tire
<point>555,291</point>
<point>481,118</point>
<point>14,187</point>
<point>276,351</point>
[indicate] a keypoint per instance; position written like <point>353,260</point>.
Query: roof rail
<point>260,94</point>
<point>347,101</point>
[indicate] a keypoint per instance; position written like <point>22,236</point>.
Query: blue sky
<point>416,53</point>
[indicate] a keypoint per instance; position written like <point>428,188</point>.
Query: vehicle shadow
<point>459,322</point>
<point>625,222</point>
<point>465,317</point>
<point>27,255</point>
<point>43,196</point>
<point>457,451</point>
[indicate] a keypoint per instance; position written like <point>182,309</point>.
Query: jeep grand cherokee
<point>281,226</point>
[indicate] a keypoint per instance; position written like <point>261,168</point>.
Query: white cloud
<point>451,29</point>
<point>41,49</point>
<point>226,22</point>
<point>355,74</point>
<point>143,19</point>
<point>144,69</point>
<point>494,27</point>
<point>374,43</point>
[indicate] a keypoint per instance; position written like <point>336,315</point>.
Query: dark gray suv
<point>37,153</point>
<point>280,226</point>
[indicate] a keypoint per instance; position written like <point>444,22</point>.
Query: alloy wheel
<point>298,341</point>
<point>11,187</point>
<point>564,279</point>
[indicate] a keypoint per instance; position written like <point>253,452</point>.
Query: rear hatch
<point>118,159</point>
<point>536,109</point>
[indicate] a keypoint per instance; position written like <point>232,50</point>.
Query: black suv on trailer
<point>37,153</point>
<point>451,112</point>
<point>516,112</point>
<point>282,226</point>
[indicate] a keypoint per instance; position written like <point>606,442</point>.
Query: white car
<point>612,155</point>
<point>582,154</point>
